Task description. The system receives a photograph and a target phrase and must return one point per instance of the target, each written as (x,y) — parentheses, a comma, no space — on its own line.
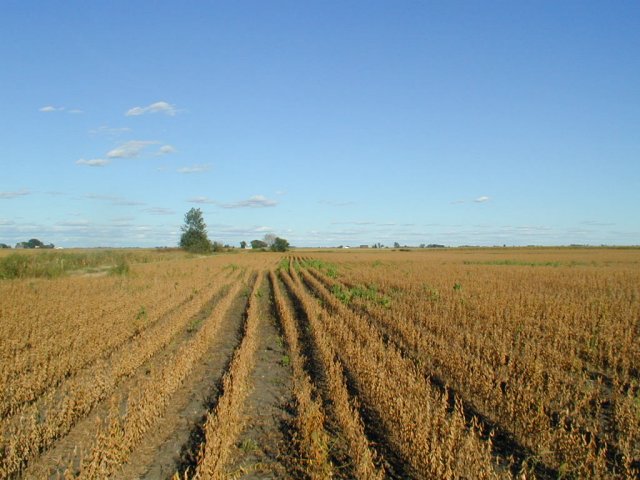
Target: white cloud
(20,193)
(257,201)
(51,108)
(95,162)
(158,107)
(130,149)
(482,199)
(166,149)
(195,169)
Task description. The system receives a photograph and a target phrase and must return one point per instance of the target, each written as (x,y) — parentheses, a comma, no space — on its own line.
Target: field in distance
(368,364)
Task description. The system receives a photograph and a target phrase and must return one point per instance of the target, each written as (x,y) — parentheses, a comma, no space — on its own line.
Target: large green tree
(280,245)
(256,244)
(194,233)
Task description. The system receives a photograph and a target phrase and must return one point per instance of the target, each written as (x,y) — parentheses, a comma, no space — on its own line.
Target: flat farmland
(378,363)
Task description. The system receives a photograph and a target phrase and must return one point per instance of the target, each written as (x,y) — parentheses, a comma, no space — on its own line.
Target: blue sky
(326,123)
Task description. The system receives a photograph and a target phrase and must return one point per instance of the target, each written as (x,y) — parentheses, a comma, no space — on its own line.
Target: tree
(243,244)
(280,245)
(396,245)
(269,239)
(255,244)
(194,233)
(4,245)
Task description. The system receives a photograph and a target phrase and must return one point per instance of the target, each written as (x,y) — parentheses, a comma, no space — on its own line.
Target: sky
(326,123)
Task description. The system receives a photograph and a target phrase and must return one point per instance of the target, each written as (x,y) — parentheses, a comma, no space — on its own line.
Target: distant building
(364,246)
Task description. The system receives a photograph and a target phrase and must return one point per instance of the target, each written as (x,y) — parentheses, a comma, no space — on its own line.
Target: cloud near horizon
(20,193)
(256,201)
(114,200)
(159,211)
(482,199)
(158,107)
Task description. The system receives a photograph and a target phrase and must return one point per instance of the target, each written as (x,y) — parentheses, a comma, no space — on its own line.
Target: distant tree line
(270,242)
(32,243)
(195,238)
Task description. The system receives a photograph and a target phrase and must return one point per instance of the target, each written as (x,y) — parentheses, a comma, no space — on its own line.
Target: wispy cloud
(594,223)
(20,193)
(130,149)
(158,107)
(73,223)
(114,200)
(202,200)
(457,202)
(166,150)
(159,211)
(257,201)
(109,131)
(482,199)
(357,222)
(195,169)
(95,162)
(51,108)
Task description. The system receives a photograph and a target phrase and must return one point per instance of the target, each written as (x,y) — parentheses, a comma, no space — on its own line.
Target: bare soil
(263,448)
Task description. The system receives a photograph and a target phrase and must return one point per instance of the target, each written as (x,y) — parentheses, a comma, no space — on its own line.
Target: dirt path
(262,449)
(172,444)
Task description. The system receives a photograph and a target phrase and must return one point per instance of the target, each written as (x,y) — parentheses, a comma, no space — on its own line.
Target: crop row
(36,426)
(560,415)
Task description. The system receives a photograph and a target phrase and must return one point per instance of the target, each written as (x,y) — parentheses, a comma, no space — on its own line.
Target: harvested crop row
(122,433)
(36,427)
(343,408)
(311,439)
(414,417)
(75,312)
(224,424)
(505,393)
